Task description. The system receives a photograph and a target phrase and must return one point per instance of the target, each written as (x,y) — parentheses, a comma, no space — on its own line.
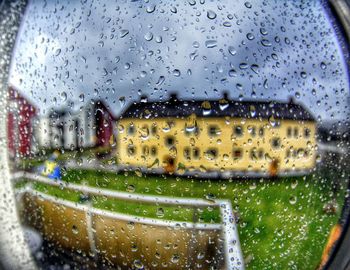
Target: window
(307,133)
(154,130)
(131,129)
(289,132)
(276,142)
(131,150)
(196,153)
(307,153)
(211,154)
(288,153)
(187,154)
(253,131)
(154,151)
(145,150)
(144,132)
(214,130)
(238,131)
(261,132)
(169,141)
(237,153)
(296,132)
(253,154)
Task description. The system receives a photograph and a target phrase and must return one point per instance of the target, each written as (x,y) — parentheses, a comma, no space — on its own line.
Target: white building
(90,126)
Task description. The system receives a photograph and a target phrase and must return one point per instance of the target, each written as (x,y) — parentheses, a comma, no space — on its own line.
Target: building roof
(97,105)
(218,108)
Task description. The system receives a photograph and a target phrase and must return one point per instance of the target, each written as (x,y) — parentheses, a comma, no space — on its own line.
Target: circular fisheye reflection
(185,135)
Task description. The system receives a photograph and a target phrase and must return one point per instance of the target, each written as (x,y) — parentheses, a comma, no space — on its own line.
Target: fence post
(90,231)
(232,247)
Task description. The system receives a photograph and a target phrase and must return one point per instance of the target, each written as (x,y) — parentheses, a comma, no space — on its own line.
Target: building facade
(90,126)
(20,117)
(238,137)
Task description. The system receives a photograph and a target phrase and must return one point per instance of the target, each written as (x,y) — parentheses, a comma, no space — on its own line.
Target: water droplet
(150,8)
(122,101)
(75,229)
(255,68)
(200,255)
(130,188)
(303,74)
(127,66)
(123,33)
(158,39)
(160,212)
(266,43)
(145,131)
(143,74)
(101,43)
(138,172)
(265,84)
(323,65)
(227,24)
(192,2)
(250,36)
(248,5)
(63,96)
(211,43)
(210,197)
(138,264)
(243,66)
(263,31)
(58,51)
(159,190)
(293,200)
(211,14)
(176,73)
(134,248)
(160,81)
(232,73)
(148,36)
(175,258)
(195,44)
(131,225)
(252,110)
(223,105)
(273,121)
(206,108)
(232,50)
(173,9)
(294,184)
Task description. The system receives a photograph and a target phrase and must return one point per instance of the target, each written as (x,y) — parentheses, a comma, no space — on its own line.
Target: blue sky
(117,50)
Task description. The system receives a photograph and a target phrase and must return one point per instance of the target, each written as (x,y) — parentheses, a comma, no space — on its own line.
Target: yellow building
(224,136)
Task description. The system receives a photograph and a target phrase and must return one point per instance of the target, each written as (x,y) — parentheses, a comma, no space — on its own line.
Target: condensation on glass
(179,135)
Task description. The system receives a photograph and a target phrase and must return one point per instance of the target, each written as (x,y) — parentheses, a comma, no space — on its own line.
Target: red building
(104,122)
(19,123)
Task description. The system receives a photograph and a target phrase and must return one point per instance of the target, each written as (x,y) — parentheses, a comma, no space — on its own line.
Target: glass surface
(179,135)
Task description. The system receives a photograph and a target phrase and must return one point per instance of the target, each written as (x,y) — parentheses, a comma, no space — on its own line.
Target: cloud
(109,51)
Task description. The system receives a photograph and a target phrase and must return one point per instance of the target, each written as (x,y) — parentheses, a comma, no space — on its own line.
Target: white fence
(233,253)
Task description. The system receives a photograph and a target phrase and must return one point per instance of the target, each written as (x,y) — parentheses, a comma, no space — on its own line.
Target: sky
(75,51)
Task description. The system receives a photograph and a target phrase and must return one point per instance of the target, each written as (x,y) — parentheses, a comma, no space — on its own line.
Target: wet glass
(181,135)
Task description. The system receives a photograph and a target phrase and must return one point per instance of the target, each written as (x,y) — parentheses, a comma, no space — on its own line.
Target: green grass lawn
(282,224)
